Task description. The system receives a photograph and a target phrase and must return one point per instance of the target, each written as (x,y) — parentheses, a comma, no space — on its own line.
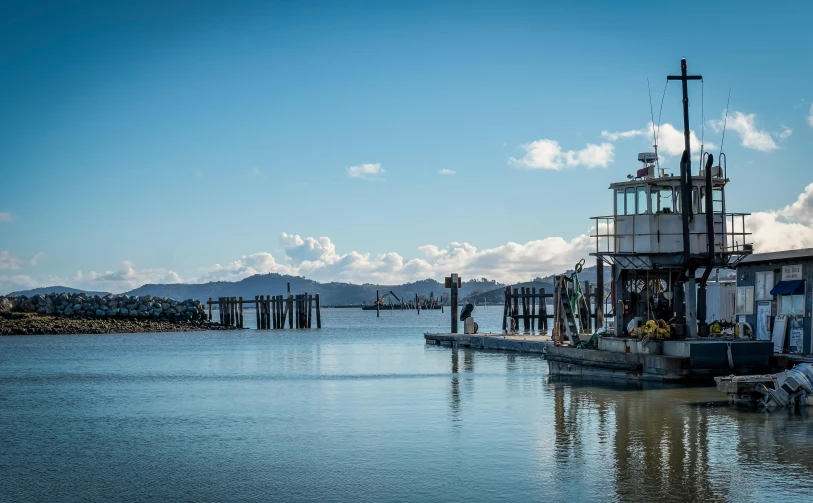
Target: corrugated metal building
(774,292)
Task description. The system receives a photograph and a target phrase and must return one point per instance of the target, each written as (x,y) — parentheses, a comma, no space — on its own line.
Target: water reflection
(668,446)
(455,383)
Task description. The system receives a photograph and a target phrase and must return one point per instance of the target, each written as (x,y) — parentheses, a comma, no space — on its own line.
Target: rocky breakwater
(78,313)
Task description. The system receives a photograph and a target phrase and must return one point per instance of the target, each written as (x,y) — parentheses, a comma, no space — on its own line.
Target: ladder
(564,314)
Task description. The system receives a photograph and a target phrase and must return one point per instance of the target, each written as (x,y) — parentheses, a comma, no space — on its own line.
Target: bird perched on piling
(466,312)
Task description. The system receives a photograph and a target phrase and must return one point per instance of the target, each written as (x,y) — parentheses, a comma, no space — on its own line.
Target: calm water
(364,411)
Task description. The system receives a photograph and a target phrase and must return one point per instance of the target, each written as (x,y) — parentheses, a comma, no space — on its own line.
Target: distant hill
(55,289)
(331,294)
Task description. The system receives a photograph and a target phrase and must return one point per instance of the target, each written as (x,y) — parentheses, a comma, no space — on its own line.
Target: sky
(154,142)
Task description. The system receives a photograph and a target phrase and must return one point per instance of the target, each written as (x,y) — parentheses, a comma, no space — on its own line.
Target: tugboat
(667,233)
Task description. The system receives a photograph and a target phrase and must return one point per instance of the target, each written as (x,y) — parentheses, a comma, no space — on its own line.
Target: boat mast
(688,309)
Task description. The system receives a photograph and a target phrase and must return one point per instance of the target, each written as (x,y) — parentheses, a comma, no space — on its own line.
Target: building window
(745,300)
(764,285)
(792,304)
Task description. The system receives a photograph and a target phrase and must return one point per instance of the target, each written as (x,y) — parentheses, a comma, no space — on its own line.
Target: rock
(68,311)
(49,308)
(112,311)
(6,305)
(77,307)
(165,305)
(145,299)
(133,313)
(100,312)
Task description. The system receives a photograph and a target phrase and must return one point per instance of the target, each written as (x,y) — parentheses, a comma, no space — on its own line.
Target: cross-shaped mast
(685,79)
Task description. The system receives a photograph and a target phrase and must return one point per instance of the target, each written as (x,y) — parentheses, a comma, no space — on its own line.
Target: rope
(730,356)
(576,292)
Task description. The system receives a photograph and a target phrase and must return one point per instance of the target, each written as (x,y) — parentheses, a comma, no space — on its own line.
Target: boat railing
(731,239)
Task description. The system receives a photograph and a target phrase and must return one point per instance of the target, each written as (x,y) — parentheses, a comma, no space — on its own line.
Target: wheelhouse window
(716,199)
(619,201)
(643,209)
(629,198)
(678,201)
(662,199)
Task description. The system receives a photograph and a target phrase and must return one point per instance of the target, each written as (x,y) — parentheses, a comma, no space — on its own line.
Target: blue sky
(141,142)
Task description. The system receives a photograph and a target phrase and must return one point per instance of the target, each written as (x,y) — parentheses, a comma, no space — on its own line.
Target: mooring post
(210,308)
(505,303)
(220,309)
(234,316)
(290,311)
(318,313)
(543,311)
(417,306)
(453,282)
(377,306)
(310,310)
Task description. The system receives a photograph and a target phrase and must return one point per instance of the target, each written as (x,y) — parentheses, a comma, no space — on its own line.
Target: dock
(526,343)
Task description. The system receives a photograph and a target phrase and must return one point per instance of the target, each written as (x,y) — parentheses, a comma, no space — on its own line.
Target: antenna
(652,115)
(725,121)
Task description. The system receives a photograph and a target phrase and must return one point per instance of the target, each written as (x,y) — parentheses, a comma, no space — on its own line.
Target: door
(763,321)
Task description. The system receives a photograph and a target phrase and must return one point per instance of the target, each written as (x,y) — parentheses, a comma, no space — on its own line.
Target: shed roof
(757,258)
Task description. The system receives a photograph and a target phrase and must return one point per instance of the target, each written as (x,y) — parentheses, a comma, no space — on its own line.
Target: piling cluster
(110,306)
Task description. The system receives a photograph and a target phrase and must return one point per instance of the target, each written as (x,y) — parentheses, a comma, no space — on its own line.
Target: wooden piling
(454,303)
(377,307)
(318,313)
(533,310)
(515,308)
(543,310)
(210,309)
(290,308)
(417,306)
(310,310)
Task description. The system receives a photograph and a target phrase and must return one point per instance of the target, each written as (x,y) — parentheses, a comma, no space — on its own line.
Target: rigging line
(725,121)
(660,112)
(703,117)
(652,115)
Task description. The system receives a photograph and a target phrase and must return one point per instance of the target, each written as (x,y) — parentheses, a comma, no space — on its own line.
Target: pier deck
(527,343)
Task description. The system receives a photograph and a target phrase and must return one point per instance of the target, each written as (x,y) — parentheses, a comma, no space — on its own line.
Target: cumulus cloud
(548,154)
(126,277)
(245,266)
(6,217)
(788,228)
(670,139)
(9,262)
(744,125)
(365,170)
(447,172)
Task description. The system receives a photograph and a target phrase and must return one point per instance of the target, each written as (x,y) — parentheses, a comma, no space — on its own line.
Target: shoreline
(34,324)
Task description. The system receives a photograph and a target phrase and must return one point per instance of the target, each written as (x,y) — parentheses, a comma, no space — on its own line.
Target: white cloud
(9,262)
(127,277)
(810,116)
(6,217)
(365,170)
(744,125)
(788,228)
(671,141)
(548,154)
(447,172)
(245,266)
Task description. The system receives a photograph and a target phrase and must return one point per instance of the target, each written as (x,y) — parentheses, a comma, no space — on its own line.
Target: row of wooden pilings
(529,307)
(272,311)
